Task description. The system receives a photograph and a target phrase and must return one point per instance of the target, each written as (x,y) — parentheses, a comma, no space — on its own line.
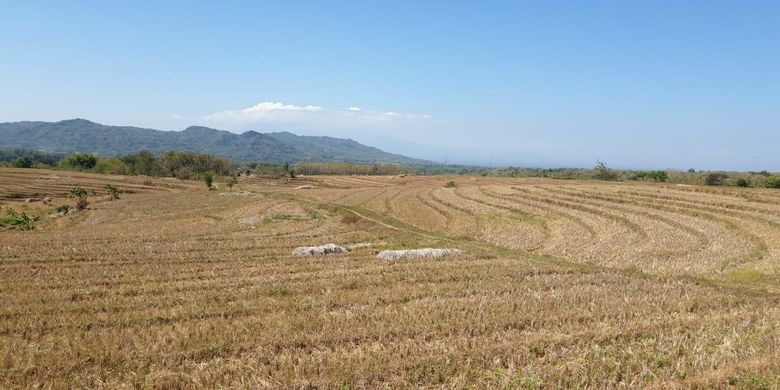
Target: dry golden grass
(561,284)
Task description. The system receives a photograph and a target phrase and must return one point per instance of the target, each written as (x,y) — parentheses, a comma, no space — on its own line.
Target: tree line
(182,165)
(192,165)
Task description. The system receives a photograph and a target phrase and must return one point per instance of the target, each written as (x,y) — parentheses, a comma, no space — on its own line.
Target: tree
(79,161)
(111,165)
(141,163)
(602,172)
(23,162)
(188,165)
(208,178)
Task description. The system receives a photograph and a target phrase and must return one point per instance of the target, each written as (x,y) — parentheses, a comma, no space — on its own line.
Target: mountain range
(80,135)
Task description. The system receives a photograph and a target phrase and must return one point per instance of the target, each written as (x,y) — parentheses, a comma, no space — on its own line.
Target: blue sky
(636,84)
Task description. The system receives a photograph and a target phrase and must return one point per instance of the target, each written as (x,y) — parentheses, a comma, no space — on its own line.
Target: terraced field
(717,233)
(560,284)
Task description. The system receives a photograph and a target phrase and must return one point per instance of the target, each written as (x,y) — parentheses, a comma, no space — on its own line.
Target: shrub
(112,192)
(742,182)
(64,209)
(208,178)
(772,182)
(661,176)
(714,179)
(81,198)
(78,192)
(81,204)
(450,184)
(231,181)
(17,221)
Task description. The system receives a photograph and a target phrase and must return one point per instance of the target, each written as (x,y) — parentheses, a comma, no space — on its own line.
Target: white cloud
(290,116)
(265,111)
(272,106)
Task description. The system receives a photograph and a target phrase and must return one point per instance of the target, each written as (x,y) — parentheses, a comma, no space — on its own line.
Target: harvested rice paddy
(557,284)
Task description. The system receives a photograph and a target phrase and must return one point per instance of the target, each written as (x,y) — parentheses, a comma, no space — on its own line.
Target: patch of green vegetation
(744,276)
(285,217)
(112,192)
(14,220)
(313,214)
(750,381)
(81,198)
(208,178)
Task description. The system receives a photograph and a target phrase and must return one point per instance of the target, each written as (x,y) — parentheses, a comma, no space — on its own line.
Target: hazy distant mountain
(79,135)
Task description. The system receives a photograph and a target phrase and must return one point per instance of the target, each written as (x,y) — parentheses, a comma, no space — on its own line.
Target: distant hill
(80,135)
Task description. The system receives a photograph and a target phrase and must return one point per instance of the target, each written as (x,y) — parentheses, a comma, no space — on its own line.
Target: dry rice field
(560,284)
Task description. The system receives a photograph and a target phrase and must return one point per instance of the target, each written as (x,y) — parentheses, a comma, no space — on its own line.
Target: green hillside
(79,135)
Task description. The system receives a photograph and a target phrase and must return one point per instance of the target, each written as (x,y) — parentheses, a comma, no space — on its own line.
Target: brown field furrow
(741,234)
(522,230)
(590,198)
(635,227)
(651,201)
(697,235)
(355,181)
(406,208)
(660,229)
(425,197)
(759,248)
(758,195)
(770,214)
(380,203)
(362,197)
(615,241)
(591,232)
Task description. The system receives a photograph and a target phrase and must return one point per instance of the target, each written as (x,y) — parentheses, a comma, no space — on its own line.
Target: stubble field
(560,284)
